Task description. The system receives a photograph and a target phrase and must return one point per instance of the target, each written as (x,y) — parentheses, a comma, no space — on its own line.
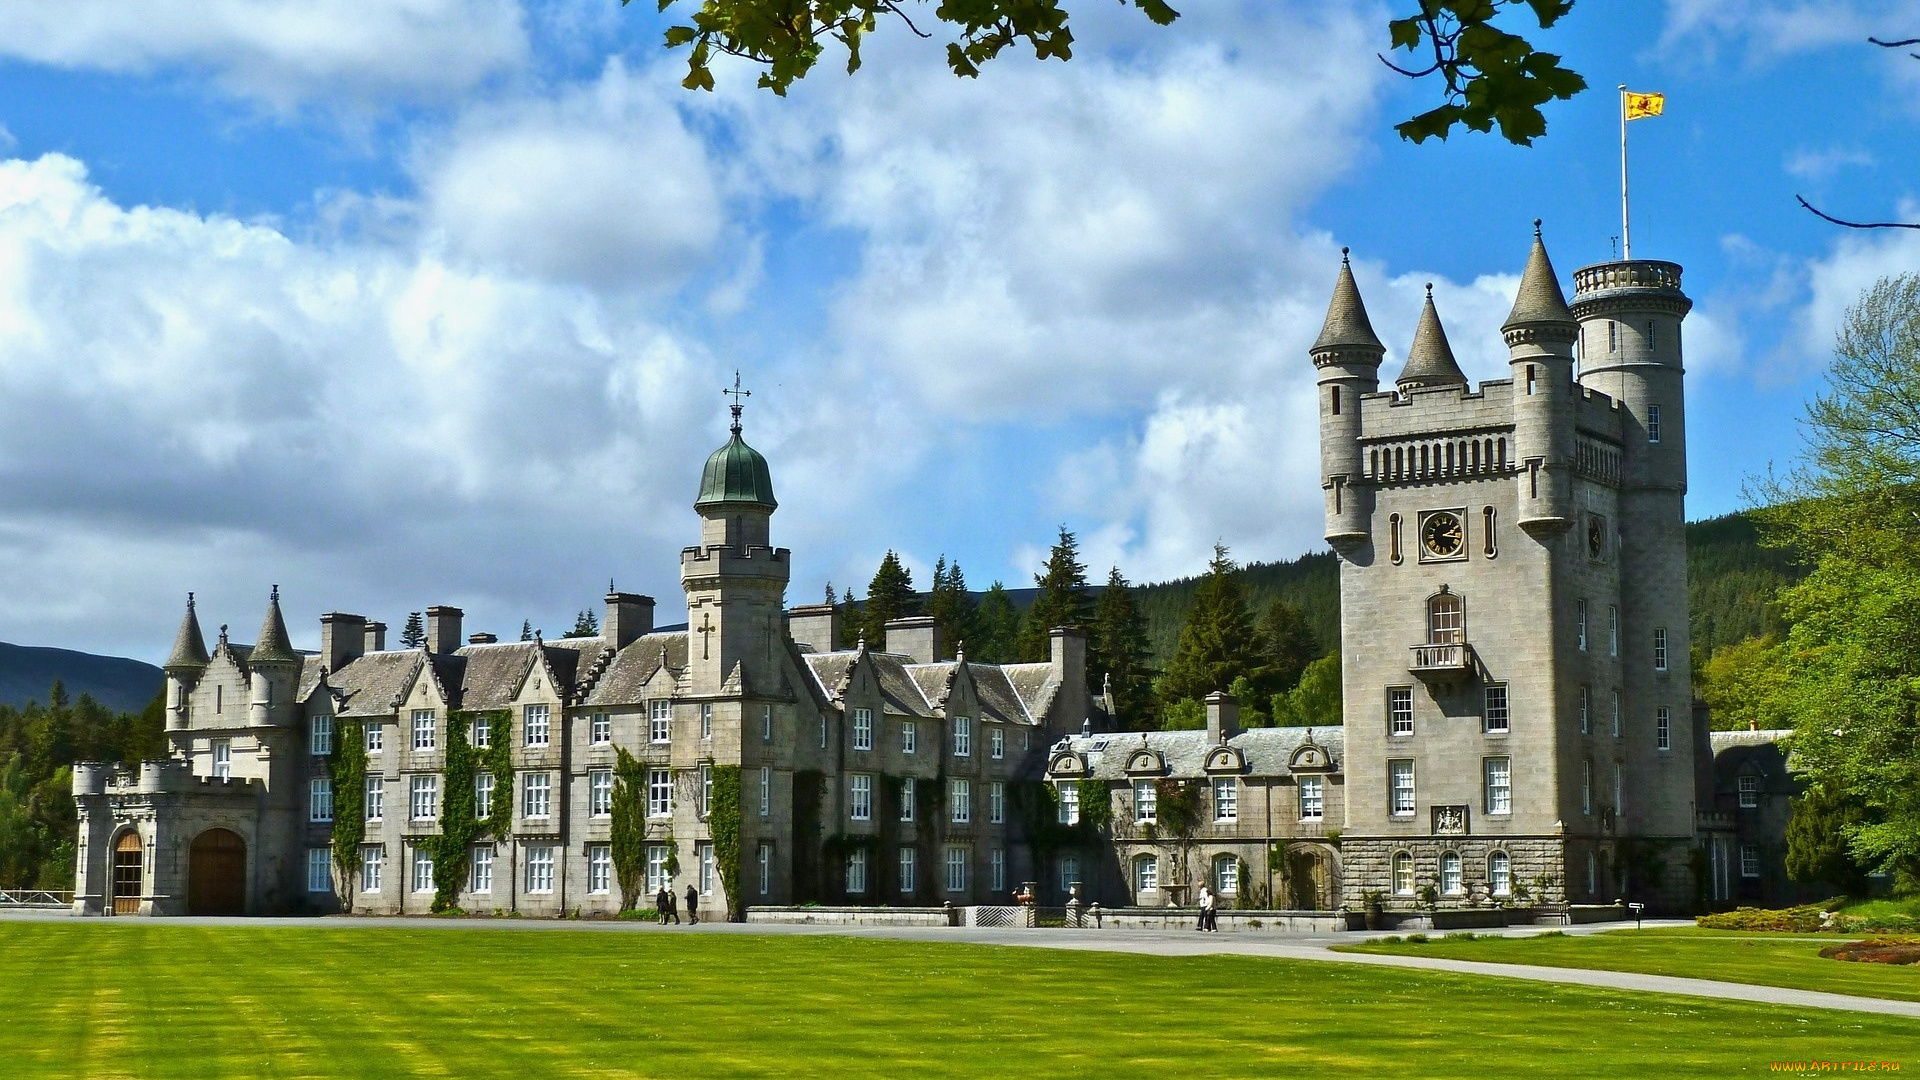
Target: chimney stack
(343,638)
(918,637)
(443,628)
(376,638)
(481,639)
(1223,716)
(816,626)
(629,615)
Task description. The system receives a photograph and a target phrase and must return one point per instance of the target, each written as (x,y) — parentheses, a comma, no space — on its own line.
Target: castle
(1519,723)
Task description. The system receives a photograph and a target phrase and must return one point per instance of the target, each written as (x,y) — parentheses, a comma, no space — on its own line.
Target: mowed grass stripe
(206,1001)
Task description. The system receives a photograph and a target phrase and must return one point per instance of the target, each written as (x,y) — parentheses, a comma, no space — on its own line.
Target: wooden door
(128,867)
(217,874)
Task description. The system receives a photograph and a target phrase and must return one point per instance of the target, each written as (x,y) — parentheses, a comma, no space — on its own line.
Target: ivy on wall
(349,768)
(723,826)
(1096,804)
(497,761)
(629,829)
(458,825)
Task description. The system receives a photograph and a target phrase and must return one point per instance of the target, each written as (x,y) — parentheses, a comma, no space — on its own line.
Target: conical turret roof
(1347,325)
(272,644)
(1430,361)
(1540,300)
(189,645)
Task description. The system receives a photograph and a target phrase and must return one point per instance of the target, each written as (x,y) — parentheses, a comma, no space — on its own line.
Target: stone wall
(1368,866)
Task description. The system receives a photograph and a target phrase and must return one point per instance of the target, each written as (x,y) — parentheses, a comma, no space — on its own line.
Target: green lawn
(1764,959)
(151,1000)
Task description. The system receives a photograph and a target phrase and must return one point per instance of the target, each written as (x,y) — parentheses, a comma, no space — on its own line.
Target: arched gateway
(217,874)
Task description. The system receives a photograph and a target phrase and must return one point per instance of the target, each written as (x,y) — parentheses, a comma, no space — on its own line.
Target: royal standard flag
(1642,105)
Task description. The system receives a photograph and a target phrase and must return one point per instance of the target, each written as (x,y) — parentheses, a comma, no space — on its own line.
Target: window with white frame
(766,723)
(1226,875)
(956,868)
(1653,423)
(766,790)
(599,868)
(538,723)
(997,870)
(1749,860)
(1146,873)
(1619,788)
(1499,874)
(961,795)
(1450,877)
(962,736)
(320,799)
(659,793)
(996,802)
(1586,786)
(536,795)
(1613,630)
(423,798)
(907,792)
(1580,613)
(600,729)
(1069,873)
(600,792)
(1400,787)
(1069,802)
(706,721)
(764,860)
(482,795)
(1593,874)
(480,732)
(860,797)
(372,861)
(376,737)
(1399,710)
(1146,802)
(909,736)
(320,735)
(1659,648)
(480,869)
(657,878)
(1586,710)
(1616,714)
(222,759)
(1496,708)
(1402,880)
(907,868)
(1663,728)
(1749,792)
(422,870)
(1499,784)
(857,870)
(706,791)
(703,857)
(376,798)
(863,729)
(319,870)
(823,731)
(659,721)
(424,736)
(996,742)
(1313,799)
(1226,799)
(540,869)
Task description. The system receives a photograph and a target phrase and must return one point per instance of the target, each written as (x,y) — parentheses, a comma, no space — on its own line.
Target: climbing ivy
(458,825)
(497,761)
(1096,805)
(723,825)
(629,829)
(349,768)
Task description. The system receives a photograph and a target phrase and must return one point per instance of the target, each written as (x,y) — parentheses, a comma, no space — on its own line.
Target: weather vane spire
(736,394)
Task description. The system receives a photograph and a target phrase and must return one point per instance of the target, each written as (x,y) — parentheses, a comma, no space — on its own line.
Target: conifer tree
(584,625)
(831,598)
(414,634)
(1063,600)
(996,628)
(852,629)
(1117,651)
(951,605)
(889,597)
(1219,643)
(526,629)
(1290,647)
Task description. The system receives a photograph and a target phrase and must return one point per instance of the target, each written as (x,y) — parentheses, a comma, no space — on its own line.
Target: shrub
(1461,935)
(1805,919)
(1417,939)
(1879,950)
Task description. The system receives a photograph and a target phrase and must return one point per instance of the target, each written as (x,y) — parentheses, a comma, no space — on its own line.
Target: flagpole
(1626,237)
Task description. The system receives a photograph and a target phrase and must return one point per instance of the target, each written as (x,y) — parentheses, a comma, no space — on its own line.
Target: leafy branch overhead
(787,37)
(1489,75)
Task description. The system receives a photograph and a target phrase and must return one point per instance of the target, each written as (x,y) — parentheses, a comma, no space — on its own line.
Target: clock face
(1443,535)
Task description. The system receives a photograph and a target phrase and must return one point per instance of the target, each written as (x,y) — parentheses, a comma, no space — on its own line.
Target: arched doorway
(1309,879)
(217,874)
(128,864)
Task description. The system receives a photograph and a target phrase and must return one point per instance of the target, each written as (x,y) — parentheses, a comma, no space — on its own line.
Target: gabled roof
(1267,750)
(622,680)
(897,688)
(998,695)
(1036,687)
(375,684)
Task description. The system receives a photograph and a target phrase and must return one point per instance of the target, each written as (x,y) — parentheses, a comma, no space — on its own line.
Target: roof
(1267,750)
(622,677)
(1430,361)
(372,685)
(272,646)
(910,689)
(736,473)
(1539,301)
(1000,697)
(1034,685)
(189,645)
(1347,325)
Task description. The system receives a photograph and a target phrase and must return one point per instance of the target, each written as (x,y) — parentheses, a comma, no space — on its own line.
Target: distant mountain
(28,672)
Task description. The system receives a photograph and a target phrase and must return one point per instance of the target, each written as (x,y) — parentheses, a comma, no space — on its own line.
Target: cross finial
(736,394)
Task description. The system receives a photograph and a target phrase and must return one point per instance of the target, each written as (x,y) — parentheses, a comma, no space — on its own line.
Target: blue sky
(431,301)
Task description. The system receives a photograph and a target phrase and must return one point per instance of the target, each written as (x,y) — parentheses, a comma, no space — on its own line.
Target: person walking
(693,905)
(1206,899)
(663,902)
(1209,913)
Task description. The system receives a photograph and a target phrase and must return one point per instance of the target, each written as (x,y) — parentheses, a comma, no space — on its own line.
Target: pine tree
(1063,600)
(952,606)
(890,596)
(414,634)
(996,628)
(1117,651)
(831,599)
(584,625)
(526,629)
(1290,647)
(1823,819)
(852,629)
(1219,643)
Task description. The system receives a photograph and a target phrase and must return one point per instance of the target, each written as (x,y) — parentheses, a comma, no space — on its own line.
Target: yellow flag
(1643,105)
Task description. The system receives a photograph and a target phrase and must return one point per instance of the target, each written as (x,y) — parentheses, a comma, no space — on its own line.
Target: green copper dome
(736,473)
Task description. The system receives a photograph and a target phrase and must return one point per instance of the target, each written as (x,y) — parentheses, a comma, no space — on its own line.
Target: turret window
(1530,379)
(1393,533)
(1659,648)
(1336,401)
(1663,728)
(1486,532)
(1653,423)
(1613,336)
(222,759)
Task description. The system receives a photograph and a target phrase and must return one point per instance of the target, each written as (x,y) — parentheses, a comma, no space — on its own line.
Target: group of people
(668,908)
(1209,922)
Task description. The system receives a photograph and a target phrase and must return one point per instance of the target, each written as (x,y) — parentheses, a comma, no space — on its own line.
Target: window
(823,731)
(857,870)
(1749,792)
(1226,875)
(1500,874)
(1532,378)
(1593,874)
(1586,710)
(1399,710)
(540,869)
(1487,548)
(482,795)
(703,854)
(706,791)
(423,733)
(962,798)
(1450,883)
(1069,873)
(222,759)
(320,799)
(1659,648)
(1146,873)
(1336,401)
(1749,860)
(997,869)
(1586,786)
(423,798)
(376,738)
(766,791)
(962,736)
(600,792)
(659,793)
(536,795)
(538,725)
(1446,622)
(1402,874)
(906,869)
(1400,787)
(706,721)
(422,870)
(766,723)
(997,742)
(319,870)
(371,859)
(376,798)
(863,729)
(909,736)
(600,729)
(765,861)
(1393,533)
(657,878)
(1616,714)
(1613,630)
(1580,611)
(599,868)
(1499,775)
(1496,712)
(1313,800)
(860,804)
(1226,800)
(481,735)
(1653,416)
(957,868)
(1663,728)
(320,735)
(1146,802)
(996,802)
(660,721)
(1613,336)
(480,870)
(906,799)
(1619,788)
(1069,803)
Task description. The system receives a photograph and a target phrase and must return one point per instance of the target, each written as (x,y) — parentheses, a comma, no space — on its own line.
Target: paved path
(1307,947)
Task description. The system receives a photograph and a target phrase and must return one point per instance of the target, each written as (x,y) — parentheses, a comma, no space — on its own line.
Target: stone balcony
(1442,663)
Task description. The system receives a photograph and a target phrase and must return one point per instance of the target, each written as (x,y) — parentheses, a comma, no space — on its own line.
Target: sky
(431,301)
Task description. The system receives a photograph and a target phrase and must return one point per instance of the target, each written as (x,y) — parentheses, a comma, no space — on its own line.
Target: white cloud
(1835,283)
(1810,164)
(1765,29)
